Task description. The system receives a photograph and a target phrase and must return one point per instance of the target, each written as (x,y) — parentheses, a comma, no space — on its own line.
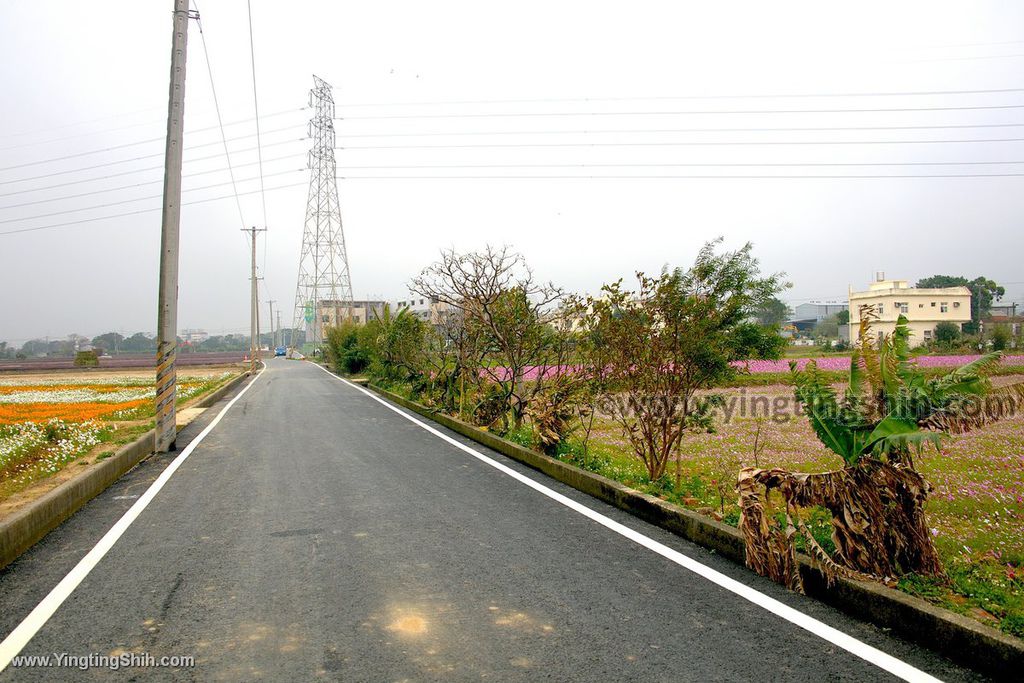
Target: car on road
(280,351)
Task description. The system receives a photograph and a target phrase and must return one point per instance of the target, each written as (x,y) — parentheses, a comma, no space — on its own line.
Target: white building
(428,310)
(194,336)
(923,308)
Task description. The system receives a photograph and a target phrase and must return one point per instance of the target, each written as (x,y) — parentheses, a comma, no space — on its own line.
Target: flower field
(781,366)
(975,510)
(49,421)
(842,363)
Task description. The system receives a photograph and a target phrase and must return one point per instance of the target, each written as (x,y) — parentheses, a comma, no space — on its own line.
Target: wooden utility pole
(167,296)
(254,340)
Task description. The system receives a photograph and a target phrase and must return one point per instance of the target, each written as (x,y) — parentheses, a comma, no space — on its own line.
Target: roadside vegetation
(672,384)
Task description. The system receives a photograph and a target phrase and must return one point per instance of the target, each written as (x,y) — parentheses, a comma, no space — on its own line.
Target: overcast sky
(540,89)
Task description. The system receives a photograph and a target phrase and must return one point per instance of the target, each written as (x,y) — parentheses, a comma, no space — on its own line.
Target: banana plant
(890,406)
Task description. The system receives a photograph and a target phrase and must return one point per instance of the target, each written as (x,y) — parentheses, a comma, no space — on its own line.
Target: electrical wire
(689,165)
(147,156)
(691,177)
(139,170)
(525,177)
(147,123)
(705,143)
(912,93)
(49,200)
(259,151)
(141,211)
(620,131)
(378,117)
(220,121)
(137,199)
(131,144)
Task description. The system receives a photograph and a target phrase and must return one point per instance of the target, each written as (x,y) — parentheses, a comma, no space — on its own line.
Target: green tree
(347,350)
(947,333)
(674,336)
(827,328)
(1000,337)
(110,342)
(139,343)
(773,312)
(983,293)
(843,316)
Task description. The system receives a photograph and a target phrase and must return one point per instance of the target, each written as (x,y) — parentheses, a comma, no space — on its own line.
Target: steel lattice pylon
(323,267)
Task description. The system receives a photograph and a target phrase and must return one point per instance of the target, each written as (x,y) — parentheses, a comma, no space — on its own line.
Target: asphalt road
(315,534)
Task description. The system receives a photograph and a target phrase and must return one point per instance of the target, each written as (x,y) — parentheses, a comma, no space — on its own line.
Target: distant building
(333,312)
(429,311)
(194,336)
(923,308)
(1003,310)
(807,315)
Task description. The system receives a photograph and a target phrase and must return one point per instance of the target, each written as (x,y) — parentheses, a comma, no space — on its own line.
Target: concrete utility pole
(273,333)
(254,341)
(167,303)
(280,342)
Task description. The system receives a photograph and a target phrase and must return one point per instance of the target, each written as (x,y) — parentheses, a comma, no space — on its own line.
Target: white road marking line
(37,618)
(896,667)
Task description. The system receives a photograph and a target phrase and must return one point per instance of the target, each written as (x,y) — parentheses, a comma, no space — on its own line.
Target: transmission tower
(324,285)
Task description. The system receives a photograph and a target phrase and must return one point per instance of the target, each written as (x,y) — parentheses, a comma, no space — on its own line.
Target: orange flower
(71,412)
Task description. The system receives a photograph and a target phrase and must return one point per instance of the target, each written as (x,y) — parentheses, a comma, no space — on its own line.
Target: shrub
(947,333)
(86,359)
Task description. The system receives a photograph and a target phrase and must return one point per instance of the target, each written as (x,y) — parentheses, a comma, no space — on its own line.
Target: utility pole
(254,342)
(167,297)
(273,333)
(280,342)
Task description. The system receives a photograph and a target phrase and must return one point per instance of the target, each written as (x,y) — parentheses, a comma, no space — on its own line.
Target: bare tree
(499,299)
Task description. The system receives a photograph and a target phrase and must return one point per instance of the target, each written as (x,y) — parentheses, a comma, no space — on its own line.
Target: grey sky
(79,77)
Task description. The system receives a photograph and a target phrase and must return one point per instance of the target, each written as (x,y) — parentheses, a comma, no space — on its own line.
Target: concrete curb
(29,525)
(952,635)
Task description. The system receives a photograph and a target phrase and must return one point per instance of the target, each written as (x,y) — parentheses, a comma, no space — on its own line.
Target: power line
(620,131)
(691,97)
(49,200)
(705,143)
(137,125)
(677,113)
(135,171)
(220,121)
(688,165)
(540,165)
(137,199)
(523,177)
(141,211)
(125,145)
(691,177)
(145,156)
(259,151)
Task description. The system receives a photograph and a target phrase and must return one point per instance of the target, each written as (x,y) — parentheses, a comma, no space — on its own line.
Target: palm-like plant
(889,411)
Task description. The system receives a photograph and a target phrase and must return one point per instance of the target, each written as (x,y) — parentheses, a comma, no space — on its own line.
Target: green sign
(309,312)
